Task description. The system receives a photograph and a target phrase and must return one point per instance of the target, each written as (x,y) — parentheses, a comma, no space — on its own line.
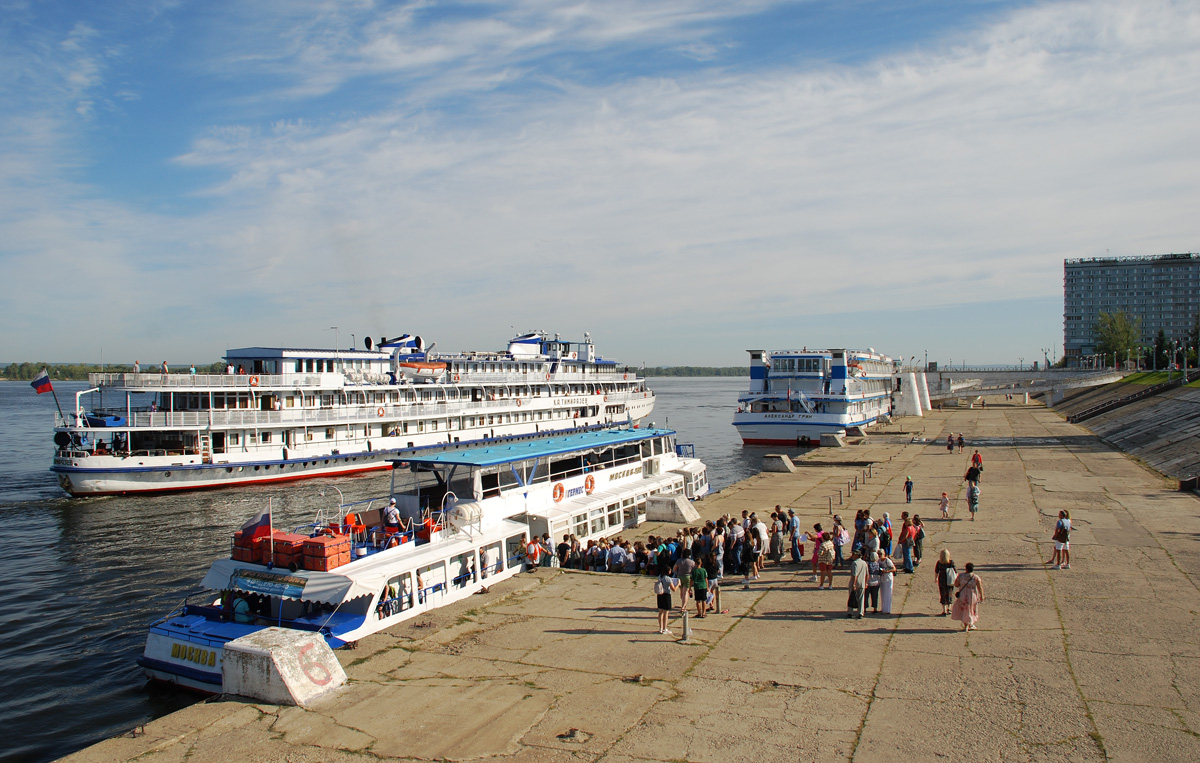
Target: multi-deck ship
(464,519)
(796,396)
(287,413)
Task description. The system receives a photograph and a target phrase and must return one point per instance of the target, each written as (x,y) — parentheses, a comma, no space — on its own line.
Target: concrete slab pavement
(1099,662)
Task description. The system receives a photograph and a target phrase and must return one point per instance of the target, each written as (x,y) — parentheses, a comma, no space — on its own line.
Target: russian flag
(259,525)
(41,383)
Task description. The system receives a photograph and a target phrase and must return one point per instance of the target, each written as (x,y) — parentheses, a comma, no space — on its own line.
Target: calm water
(87,575)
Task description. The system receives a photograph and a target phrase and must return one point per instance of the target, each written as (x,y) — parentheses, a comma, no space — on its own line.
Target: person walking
(1061,558)
(887,576)
(908,488)
(700,588)
(945,574)
(973,500)
(857,586)
(950,442)
(839,539)
(961,442)
(967,599)
(944,505)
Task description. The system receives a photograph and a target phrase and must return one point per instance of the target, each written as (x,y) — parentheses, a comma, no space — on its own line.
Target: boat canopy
(494,455)
(301,585)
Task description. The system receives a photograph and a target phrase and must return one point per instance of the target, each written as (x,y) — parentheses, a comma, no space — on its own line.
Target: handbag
(1060,534)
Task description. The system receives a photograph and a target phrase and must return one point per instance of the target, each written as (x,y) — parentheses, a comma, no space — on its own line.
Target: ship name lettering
(194,654)
(624,473)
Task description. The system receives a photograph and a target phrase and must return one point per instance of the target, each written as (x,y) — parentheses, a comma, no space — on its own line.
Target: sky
(683,179)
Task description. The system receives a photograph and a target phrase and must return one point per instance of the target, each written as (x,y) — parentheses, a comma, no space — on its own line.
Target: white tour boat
(465,517)
(284,414)
(796,396)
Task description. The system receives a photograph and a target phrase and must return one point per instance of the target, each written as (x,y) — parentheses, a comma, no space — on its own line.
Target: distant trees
(1117,333)
(80,371)
(696,371)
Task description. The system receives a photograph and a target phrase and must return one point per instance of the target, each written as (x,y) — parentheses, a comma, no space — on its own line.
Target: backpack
(950,574)
(921,532)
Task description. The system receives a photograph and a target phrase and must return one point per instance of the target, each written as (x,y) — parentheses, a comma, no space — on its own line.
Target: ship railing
(156,381)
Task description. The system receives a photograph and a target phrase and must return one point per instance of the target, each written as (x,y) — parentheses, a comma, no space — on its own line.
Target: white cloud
(678,219)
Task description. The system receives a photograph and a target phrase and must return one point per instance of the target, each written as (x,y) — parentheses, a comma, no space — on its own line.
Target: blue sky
(683,179)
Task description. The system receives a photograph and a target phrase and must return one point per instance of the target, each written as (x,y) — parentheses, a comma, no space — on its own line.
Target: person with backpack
(1061,558)
(908,488)
(945,574)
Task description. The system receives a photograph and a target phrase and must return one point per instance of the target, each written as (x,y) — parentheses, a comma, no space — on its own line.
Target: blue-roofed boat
(290,413)
(465,516)
(796,396)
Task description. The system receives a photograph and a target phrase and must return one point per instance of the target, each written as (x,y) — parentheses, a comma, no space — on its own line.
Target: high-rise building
(1163,291)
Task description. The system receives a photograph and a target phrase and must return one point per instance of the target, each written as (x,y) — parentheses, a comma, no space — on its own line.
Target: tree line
(80,371)
(1121,333)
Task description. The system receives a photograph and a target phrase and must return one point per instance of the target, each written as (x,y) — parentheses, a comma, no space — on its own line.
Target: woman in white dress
(887,570)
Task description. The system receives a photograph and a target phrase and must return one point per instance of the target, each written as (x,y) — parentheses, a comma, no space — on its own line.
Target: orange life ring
(253,381)
(380,411)
(606,398)
(626,376)
(547,377)
(457,377)
(559,492)
(576,414)
(589,484)
(518,402)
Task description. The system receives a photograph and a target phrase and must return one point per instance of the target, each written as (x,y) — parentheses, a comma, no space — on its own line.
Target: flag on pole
(259,525)
(41,383)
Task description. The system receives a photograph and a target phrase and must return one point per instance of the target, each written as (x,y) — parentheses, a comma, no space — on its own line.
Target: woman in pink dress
(966,601)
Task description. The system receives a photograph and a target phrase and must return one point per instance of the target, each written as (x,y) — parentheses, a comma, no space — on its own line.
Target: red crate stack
(243,547)
(325,553)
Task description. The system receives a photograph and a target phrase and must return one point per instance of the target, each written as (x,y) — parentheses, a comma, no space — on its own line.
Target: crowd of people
(695,560)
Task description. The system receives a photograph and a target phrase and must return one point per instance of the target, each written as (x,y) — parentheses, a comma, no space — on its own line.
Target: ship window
(266,436)
(234,438)
(290,401)
(218,401)
(328,433)
(299,366)
(308,365)
(308,436)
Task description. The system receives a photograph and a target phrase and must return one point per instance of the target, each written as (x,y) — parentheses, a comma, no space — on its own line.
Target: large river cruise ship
(796,396)
(285,413)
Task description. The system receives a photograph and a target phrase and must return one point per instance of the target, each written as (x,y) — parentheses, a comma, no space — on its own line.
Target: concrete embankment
(1163,430)
(1098,662)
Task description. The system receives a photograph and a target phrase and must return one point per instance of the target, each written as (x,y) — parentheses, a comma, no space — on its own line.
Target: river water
(85,576)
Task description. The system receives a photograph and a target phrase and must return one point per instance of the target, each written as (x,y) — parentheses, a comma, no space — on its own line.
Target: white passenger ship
(284,414)
(466,515)
(796,396)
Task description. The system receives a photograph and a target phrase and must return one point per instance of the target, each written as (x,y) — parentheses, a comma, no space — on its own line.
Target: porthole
(166,474)
(229,470)
(256,468)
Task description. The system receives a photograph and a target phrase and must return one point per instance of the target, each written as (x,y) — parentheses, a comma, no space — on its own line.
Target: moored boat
(291,413)
(464,517)
(796,396)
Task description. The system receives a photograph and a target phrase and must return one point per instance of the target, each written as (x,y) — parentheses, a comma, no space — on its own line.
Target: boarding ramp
(1053,385)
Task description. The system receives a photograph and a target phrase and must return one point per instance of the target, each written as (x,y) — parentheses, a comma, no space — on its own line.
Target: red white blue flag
(42,382)
(259,525)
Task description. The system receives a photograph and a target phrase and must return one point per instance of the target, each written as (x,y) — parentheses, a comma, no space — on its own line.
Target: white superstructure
(288,413)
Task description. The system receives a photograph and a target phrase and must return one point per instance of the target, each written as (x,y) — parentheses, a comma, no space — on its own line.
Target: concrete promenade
(1099,662)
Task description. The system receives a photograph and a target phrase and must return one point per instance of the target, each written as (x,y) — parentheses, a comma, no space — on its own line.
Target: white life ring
(380,411)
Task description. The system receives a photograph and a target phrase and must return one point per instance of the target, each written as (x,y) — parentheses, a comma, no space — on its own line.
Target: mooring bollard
(830,504)
(839,496)
(687,628)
